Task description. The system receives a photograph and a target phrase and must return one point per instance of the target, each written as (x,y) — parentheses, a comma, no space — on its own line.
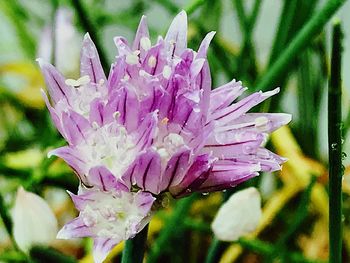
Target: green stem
(308,32)
(335,149)
(174,224)
(135,248)
(90,27)
(214,251)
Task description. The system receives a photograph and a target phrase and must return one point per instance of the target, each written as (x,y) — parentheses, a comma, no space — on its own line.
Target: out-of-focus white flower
(33,220)
(238,216)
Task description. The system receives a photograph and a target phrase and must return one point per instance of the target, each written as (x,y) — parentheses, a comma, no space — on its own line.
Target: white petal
(238,216)
(33,220)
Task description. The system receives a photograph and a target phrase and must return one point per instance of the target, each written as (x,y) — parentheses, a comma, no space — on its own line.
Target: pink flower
(155,125)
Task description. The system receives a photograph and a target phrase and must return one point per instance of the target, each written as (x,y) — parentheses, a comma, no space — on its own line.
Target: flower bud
(33,220)
(238,216)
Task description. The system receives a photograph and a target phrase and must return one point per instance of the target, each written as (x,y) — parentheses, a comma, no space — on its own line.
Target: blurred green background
(251,36)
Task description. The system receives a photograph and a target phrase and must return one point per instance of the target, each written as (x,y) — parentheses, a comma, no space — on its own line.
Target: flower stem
(90,27)
(302,39)
(174,224)
(214,251)
(335,149)
(134,249)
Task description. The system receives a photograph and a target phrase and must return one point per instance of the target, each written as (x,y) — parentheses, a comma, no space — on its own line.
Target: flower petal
(196,175)
(75,126)
(203,48)
(90,63)
(101,177)
(232,112)
(176,168)
(55,82)
(74,229)
(102,246)
(224,95)
(145,172)
(142,31)
(176,37)
(73,159)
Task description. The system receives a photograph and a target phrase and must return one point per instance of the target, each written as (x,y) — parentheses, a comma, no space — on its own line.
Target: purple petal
(74,229)
(97,112)
(176,37)
(101,177)
(237,109)
(226,145)
(203,48)
(196,175)
(203,81)
(126,103)
(146,132)
(56,120)
(257,122)
(81,200)
(55,82)
(145,172)
(176,169)
(75,127)
(73,159)
(217,185)
(122,46)
(224,95)
(102,246)
(142,31)
(154,61)
(116,73)
(90,64)
(144,202)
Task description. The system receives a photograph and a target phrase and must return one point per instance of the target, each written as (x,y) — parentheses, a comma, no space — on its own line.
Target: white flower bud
(238,216)
(33,220)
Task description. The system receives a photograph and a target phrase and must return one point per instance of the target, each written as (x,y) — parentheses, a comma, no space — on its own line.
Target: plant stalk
(335,149)
(134,249)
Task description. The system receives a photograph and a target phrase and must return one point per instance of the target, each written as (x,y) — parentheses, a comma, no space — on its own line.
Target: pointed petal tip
(182,14)
(87,36)
(63,234)
(287,118)
(42,63)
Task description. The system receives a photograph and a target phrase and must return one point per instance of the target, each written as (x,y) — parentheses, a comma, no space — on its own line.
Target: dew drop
(343,155)
(205,194)
(334,146)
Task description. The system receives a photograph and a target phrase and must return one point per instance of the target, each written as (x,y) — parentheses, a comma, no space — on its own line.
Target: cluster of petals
(153,126)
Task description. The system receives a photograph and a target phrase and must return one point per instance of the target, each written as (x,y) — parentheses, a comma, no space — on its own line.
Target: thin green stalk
(335,149)
(173,224)
(135,248)
(214,251)
(89,27)
(308,32)
(284,26)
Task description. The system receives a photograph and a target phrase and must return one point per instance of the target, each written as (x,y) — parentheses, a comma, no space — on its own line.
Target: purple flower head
(154,125)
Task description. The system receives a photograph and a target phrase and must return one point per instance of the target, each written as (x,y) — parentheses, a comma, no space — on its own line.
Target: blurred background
(251,36)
